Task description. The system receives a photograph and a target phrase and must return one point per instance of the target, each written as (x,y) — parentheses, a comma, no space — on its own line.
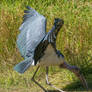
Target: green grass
(74,40)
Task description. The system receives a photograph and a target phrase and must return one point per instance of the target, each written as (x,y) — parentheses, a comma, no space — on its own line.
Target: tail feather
(24,65)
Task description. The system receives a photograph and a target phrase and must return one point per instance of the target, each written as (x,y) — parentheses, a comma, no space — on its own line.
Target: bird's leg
(47,81)
(76,71)
(36,81)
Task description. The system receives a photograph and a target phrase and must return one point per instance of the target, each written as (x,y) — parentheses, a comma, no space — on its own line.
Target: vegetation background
(74,41)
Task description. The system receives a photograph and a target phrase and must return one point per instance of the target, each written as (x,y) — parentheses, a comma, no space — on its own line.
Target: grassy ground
(62,79)
(74,40)
(65,81)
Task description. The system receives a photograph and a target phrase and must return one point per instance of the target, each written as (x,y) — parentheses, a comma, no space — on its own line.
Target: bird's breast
(50,58)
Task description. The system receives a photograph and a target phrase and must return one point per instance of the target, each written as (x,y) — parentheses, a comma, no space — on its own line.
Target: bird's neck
(53,29)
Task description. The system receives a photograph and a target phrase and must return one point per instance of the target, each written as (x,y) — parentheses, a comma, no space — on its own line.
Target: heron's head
(58,23)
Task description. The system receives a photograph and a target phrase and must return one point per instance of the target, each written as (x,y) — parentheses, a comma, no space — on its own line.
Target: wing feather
(32,31)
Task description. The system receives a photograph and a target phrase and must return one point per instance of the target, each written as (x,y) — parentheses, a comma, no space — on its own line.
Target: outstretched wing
(32,31)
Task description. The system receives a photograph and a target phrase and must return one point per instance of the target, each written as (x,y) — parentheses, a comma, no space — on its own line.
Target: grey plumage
(32,32)
(33,39)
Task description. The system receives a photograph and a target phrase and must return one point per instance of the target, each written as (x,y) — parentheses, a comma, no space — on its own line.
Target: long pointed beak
(77,72)
(82,79)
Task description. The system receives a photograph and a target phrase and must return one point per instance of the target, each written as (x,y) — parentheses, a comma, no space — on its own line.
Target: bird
(38,47)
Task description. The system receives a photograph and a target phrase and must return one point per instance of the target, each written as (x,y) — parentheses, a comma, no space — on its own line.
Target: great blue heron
(38,47)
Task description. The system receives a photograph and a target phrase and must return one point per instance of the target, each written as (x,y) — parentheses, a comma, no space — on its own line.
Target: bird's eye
(58,23)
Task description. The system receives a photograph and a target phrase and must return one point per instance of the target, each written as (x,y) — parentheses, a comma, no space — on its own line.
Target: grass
(74,40)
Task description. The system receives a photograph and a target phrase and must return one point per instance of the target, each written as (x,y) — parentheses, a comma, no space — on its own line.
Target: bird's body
(33,40)
(50,58)
(38,47)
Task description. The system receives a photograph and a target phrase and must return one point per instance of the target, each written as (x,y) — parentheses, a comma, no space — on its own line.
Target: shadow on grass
(77,86)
